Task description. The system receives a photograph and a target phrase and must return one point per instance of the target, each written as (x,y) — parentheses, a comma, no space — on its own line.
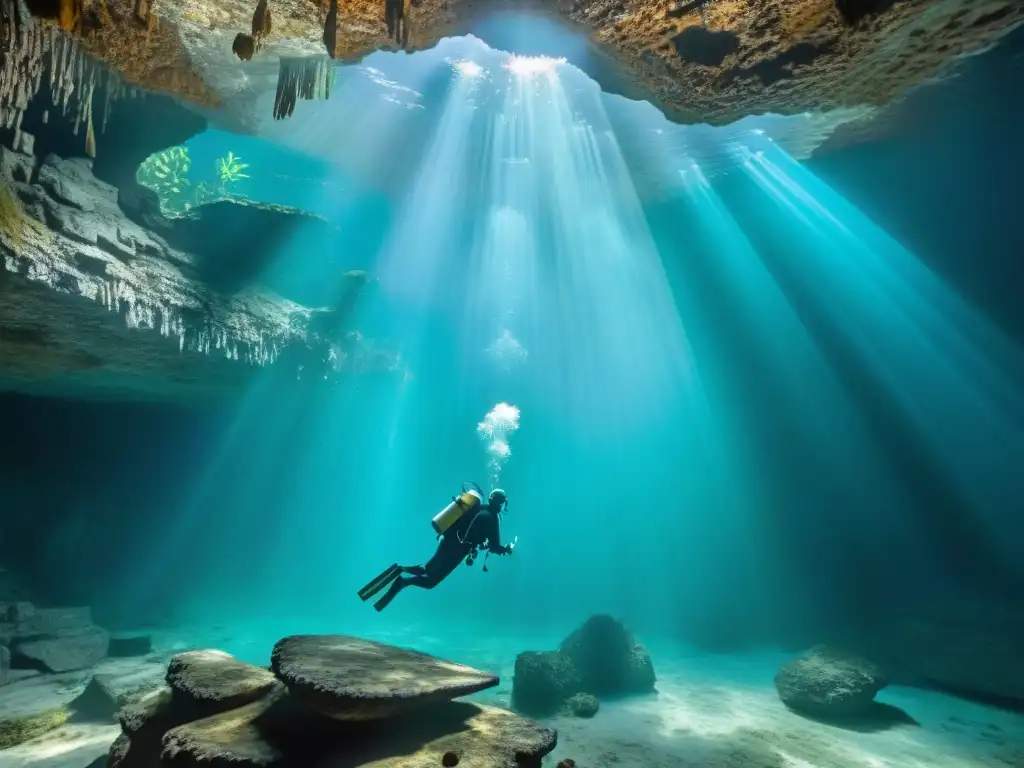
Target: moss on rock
(18,730)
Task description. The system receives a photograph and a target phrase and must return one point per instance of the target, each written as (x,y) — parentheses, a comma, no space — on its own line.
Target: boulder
(201,684)
(66,651)
(828,683)
(583,705)
(29,708)
(217,680)
(609,660)
(543,681)
(348,678)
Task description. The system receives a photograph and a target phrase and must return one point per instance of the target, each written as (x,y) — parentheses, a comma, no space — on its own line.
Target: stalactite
(331,30)
(262,23)
(398,25)
(30,49)
(305,78)
(90,134)
(142,11)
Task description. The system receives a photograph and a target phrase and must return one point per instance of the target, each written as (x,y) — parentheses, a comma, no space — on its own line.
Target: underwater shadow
(877,718)
(992,700)
(310,739)
(235,242)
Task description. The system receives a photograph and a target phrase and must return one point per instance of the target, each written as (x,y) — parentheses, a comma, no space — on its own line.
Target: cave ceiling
(699,61)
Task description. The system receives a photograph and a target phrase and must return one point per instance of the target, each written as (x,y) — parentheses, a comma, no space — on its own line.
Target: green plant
(230,170)
(165,173)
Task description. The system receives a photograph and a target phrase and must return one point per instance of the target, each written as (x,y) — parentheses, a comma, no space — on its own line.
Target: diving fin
(381,581)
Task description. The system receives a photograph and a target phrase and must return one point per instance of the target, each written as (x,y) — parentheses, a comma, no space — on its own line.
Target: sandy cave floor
(710,712)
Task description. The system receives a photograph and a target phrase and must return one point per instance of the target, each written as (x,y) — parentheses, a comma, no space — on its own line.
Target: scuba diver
(464,527)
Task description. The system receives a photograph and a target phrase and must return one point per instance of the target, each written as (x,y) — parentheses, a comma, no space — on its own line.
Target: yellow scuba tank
(467,501)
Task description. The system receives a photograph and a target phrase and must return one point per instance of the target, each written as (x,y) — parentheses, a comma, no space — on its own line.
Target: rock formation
(340,677)
(53,662)
(89,260)
(609,659)
(828,683)
(600,658)
(217,710)
(53,639)
(714,61)
(95,305)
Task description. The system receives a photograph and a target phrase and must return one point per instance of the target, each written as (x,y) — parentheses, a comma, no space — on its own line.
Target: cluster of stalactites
(302,78)
(30,49)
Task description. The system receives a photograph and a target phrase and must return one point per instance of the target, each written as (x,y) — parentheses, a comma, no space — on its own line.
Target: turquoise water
(749,389)
(761,400)
(746,409)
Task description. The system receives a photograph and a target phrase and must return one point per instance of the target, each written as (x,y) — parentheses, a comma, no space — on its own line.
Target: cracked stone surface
(712,61)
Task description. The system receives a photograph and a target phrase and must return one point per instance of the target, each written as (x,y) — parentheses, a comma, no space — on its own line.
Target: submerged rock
(218,711)
(94,305)
(52,639)
(601,658)
(66,651)
(118,684)
(543,681)
(609,659)
(26,621)
(348,678)
(583,705)
(218,679)
(201,684)
(829,683)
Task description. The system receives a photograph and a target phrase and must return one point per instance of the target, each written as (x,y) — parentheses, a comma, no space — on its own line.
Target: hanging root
(302,78)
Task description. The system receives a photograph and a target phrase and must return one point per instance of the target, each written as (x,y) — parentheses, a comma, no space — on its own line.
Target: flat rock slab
(39,704)
(66,651)
(118,683)
(229,738)
(217,678)
(278,730)
(348,678)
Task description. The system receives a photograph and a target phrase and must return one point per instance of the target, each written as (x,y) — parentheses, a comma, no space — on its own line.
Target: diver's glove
(512,546)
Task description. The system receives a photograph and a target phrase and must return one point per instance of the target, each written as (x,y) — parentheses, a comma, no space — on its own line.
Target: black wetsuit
(481,530)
